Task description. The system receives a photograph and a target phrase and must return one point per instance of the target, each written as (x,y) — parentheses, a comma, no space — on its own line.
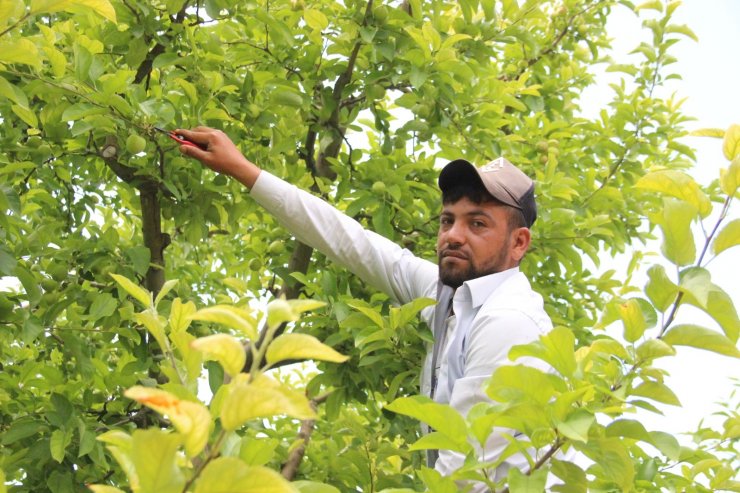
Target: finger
(194,152)
(197,136)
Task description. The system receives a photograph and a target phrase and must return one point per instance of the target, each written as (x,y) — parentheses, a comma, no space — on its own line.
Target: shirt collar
(476,291)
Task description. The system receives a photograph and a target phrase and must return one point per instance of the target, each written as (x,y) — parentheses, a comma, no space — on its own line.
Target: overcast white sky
(710,72)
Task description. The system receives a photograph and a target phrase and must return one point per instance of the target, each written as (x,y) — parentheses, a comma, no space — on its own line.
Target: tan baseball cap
(503,180)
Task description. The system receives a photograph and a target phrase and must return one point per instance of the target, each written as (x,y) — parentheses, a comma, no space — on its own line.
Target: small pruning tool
(180,138)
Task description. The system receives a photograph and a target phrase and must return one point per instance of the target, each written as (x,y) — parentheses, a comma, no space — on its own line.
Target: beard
(454,273)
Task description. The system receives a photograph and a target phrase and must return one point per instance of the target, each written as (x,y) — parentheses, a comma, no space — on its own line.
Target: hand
(221,155)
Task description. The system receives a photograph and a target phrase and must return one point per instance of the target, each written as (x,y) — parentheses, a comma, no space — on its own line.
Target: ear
(520,239)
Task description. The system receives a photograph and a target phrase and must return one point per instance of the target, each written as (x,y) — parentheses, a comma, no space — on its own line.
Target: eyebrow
(469,214)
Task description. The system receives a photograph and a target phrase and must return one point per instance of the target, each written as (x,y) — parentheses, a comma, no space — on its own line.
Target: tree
(356,101)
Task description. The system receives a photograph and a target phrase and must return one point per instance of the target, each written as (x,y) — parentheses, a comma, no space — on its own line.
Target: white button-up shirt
(492,313)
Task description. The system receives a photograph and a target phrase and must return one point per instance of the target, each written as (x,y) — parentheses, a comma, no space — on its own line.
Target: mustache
(454,252)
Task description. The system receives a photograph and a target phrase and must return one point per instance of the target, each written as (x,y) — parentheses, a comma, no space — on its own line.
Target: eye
(478,224)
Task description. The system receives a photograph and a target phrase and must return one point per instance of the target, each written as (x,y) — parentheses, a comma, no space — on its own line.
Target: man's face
(474,240)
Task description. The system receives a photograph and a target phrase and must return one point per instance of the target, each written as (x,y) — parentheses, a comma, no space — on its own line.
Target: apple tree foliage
(144,327)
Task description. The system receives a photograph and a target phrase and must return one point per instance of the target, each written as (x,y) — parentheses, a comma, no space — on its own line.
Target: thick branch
(154,239)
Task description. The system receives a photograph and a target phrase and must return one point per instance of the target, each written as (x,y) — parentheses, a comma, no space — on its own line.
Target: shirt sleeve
(487,345)
(375,259)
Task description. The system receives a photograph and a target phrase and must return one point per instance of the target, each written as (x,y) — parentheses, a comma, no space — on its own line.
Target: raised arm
(375,259)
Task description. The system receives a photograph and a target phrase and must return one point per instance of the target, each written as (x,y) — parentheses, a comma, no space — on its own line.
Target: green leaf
(667,444)
(104,305)
(659,289)
(728,237)
(230,316)
(25,114)
(701,338)
(698,282)
(102,7)
(370,313)
(155,459)
(628,428)
(527,483)
(653,349)
(576,425)
(731,143)
(301,346)
(140,257)
(225,349)
(230,475)
(679,185)
(28,281)
(573,476)
(611,456)
(556,348)
(439,417)
(436,440)
(60,440)
(657,392)
(258,452)
(140,294)
(262,397)
(314,487)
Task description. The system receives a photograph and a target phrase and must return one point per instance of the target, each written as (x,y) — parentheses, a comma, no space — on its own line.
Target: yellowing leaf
(301,346)
(229,475)
(315,19)
(155,325)
(225,349)
(103,488)
(230,316)
(701,338)
(155,456)
(729,179)
(675,223)
(166,288)
(261,398)
(728,237)
(180,315)
(633,319)
(190,419)
(708,132)
(731,144)
(102,7)
(142,295)
(19,51)
(679,185)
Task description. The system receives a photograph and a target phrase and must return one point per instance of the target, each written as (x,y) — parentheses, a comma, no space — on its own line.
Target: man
(485,305)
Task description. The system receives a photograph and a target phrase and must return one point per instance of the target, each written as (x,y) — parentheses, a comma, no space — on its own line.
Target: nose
(455,234)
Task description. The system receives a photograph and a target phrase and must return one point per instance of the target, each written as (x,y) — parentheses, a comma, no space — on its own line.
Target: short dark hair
(477,194)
